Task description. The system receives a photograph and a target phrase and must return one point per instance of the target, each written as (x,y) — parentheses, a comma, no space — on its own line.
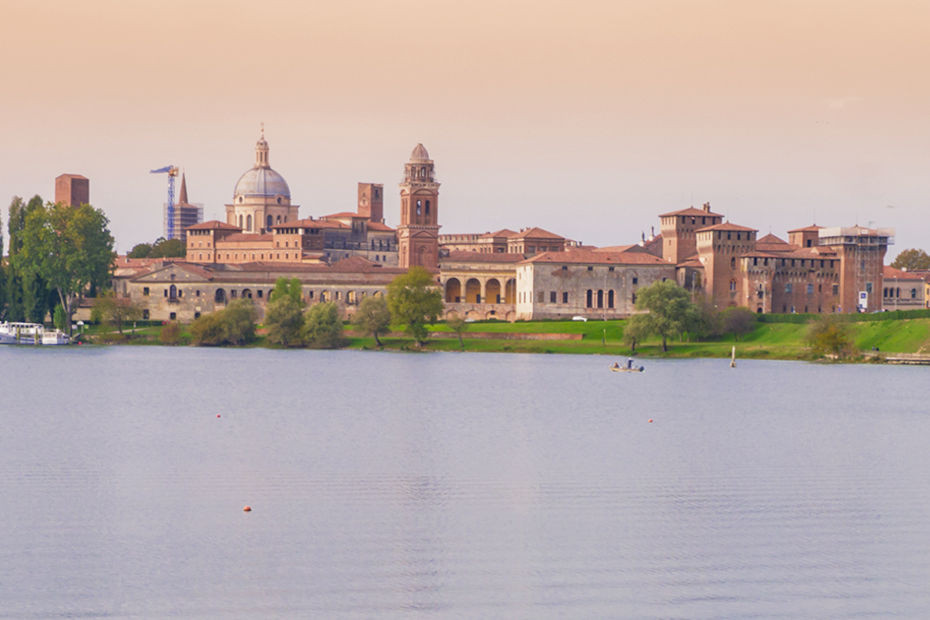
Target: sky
(587,119)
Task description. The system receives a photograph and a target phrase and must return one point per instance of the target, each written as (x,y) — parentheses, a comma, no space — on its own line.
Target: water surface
(458,485)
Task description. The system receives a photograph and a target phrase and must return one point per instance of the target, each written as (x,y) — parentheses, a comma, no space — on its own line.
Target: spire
(261,151)
(182,196)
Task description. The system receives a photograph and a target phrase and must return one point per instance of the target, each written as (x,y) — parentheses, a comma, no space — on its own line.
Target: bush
(830,335)
(322,327)
(738,321)
(284,320)
(234,325)
(170,334)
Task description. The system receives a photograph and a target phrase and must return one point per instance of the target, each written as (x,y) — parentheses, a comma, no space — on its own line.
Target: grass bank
(768,340)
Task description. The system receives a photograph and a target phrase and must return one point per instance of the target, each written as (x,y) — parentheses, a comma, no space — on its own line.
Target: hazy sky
(584,118)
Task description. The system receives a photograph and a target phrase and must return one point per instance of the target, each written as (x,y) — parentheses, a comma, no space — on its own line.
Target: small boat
(625,369)
(733,357)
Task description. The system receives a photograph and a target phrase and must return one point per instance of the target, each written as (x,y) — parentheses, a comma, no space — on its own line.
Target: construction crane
(172,172)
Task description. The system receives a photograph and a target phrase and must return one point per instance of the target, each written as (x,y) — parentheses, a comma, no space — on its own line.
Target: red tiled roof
(536,233)
(728,226)
(691,211)
(378,226)
(464,256)
(576,256)
(342,214)
(213,225)
(771,243)
(503,232)
(811,228)
(899,274)
(256,237)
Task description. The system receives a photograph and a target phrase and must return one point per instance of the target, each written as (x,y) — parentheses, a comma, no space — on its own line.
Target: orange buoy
(650,420)
(247,509)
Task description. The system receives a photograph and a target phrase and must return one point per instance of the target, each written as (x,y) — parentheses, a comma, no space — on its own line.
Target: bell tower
(418,232)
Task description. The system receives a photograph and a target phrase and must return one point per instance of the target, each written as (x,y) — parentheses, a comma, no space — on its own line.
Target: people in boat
(616,365)
(629,363)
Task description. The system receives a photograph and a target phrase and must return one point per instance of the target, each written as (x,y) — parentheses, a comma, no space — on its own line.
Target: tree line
(412,301)
(56,255)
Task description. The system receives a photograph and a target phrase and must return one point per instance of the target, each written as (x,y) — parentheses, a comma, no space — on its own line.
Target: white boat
(31,333)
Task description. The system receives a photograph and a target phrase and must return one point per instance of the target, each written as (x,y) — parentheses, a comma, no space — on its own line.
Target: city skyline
(587,120)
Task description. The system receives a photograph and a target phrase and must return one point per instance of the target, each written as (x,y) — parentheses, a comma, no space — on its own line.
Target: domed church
(261,198)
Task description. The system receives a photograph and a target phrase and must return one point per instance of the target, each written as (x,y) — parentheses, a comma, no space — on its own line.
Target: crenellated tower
(418,232)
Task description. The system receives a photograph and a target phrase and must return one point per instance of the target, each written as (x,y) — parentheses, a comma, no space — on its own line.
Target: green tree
(209,330)
(415,301)
(70,248)
(830,335)
(636,330)
(27,296)
(140,250)
(168,248)
(738,321)
(115,310)
(290,288)
(59,318)
(912,260)
(373,317)
(239,321)
(670,309)
(459,325)
(233,325)
(322,327)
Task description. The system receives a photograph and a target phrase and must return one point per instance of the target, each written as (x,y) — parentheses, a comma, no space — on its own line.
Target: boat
(31,333)
(625,369)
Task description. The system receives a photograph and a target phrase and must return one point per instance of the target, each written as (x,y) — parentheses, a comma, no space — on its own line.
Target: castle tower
(371,201)
(679,231)
(418,232)
(720,248)
(72,190)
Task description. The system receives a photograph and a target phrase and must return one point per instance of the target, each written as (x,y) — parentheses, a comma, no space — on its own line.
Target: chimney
(707,207)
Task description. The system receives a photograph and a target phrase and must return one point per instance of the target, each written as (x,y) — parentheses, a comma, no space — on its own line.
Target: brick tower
(371,201)
(418,232)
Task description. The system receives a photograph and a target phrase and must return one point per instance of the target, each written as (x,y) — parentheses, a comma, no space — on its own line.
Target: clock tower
(418,232)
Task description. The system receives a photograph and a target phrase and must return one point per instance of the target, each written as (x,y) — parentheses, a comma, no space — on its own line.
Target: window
(564,297)
(810,289)
(788,287)
(564,267)
(913,293)
(540,296)
(196,315)
(836,289)
(610,298)
(589,295)
(732,285)
(260,293)
(145,291)
(145,315)
(173,316)
(552,297)
(635,280)
(868,287)
(611,268)
(590,268)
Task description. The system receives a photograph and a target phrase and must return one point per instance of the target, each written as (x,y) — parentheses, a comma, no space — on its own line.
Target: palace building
(509,275)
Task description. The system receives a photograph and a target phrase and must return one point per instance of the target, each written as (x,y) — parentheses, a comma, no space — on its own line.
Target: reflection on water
(458,485)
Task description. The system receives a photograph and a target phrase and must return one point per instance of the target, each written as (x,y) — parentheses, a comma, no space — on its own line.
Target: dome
(262,182)
(419,153)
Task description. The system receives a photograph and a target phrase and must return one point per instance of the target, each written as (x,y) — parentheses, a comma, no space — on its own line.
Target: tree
(239,321)
(284,316)
(140,250)
(636,330)
(233,325)
(373,317)
(415,301)
(170,333)
(116,310)
(287,288)
(912,260)
(670,309)
(322,327)
(168,248)
(457,324)
(830,334)
(27,296)
(70,248)
(738,321)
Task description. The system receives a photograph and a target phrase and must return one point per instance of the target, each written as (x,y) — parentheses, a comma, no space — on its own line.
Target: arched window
(278,220)
(589,297)
(610,298)
(419,207)
(248,222)
(427,207)
(240,220)
(600,298)
(269,222)
(220,296)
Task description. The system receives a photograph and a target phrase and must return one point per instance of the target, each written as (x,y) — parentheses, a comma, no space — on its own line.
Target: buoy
(650,420)
(247,509)
(217,415)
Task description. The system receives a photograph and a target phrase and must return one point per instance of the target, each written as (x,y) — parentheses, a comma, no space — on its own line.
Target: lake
(458,485)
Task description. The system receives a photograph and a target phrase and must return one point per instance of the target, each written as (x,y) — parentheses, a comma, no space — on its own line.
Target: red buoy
(650,420)
(217,415)
(247,509)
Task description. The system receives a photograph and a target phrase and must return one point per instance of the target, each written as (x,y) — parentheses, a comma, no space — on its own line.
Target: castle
(509,275)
